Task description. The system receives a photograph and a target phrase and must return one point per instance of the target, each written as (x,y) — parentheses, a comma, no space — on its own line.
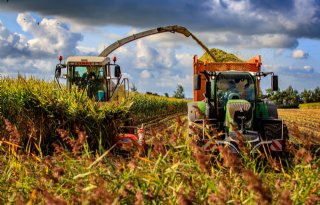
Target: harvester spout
(172,29)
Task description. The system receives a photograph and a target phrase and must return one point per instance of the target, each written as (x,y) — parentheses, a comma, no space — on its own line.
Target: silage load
(220,55)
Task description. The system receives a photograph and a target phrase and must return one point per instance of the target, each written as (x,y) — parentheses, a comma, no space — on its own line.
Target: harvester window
(80,71)
(89,78)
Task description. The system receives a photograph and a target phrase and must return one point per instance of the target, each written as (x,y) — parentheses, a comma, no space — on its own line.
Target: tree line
(178,93)
(291,98)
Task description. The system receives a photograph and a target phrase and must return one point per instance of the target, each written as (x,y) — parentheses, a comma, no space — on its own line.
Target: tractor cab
(234,85)
(235,93)
(93,74)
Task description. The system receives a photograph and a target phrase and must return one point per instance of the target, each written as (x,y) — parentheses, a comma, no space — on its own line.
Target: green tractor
(228,110)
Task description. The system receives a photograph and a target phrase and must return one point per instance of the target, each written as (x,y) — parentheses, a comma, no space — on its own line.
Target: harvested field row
(303,124)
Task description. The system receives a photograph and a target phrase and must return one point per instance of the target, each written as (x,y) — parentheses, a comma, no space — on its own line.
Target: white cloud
(83,50)
(11,44)
(153,56)
(126,75)
(145,74)
(171,80)
(25,65)
(249,41)
(299,54)
(308,68)
(37,54)
(145,55)
(185,60)
(49,36)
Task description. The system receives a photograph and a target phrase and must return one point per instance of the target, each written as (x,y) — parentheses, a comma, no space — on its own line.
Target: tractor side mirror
(197,82)
(59,66)
(117,71)
(57,73)
(274,83)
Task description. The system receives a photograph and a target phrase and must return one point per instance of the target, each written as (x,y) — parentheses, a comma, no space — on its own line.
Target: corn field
(39,116)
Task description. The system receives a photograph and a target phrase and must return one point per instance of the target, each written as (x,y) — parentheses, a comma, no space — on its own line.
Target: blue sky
(285,33)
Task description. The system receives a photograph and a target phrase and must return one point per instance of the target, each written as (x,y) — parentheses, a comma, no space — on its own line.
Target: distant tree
(317,94)
(285,98)
(133,88)
(305,95)
(166,95)
(291,97)
(269,93)
(179,93)
(151,93)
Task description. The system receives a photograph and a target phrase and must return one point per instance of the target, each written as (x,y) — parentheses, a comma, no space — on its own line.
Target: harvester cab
(93,74)
(228,105)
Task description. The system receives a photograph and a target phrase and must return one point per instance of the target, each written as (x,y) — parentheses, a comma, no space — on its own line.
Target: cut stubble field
(303,124)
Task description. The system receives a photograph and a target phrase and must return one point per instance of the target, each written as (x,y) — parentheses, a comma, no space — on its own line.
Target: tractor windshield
(90,78)
(234,86)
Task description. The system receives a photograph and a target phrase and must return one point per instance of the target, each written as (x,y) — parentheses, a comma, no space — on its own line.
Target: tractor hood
(238,112)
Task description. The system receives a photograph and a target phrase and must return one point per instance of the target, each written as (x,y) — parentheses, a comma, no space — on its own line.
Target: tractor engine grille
(271,129)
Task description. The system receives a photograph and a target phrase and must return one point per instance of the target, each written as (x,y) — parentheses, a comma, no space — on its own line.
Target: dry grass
(174,171)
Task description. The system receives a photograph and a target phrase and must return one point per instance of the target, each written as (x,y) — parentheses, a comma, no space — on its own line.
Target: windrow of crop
(38,116)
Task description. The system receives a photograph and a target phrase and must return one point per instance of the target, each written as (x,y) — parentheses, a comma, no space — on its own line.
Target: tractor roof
(94,59)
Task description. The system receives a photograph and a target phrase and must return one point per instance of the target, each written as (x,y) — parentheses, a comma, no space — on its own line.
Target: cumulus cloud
(288,18)
(145,74)
(36,53)
(24,65)
(149,57)
(11,44)
(250,41)
(49,36)
(299,54)
(289,70)
(308,68)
